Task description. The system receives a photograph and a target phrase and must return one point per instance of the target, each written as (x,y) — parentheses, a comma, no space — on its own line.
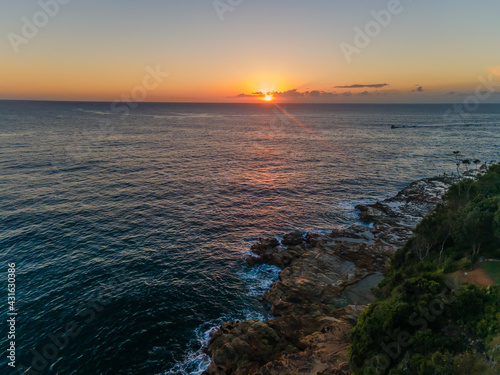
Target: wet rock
(313,239)
(264,245)
(269,251)
(409,206)
(237,348)
(292,239)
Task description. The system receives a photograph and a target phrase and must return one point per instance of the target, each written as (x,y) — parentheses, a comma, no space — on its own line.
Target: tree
(477,161)
(466,162)
(457,161)
(421,247)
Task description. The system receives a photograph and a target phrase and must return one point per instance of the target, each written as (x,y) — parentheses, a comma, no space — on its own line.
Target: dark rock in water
(238,348)
(269,251)
(292,239)
(264,245)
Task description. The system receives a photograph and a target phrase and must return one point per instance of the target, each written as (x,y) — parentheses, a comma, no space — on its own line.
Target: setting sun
(268,98)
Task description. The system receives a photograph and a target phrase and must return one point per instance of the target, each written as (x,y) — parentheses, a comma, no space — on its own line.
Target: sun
(266,95)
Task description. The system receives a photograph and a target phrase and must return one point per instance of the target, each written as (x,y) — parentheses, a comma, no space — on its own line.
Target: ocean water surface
(132,228)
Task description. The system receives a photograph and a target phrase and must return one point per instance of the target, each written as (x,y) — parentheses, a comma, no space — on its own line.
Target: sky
(389,51)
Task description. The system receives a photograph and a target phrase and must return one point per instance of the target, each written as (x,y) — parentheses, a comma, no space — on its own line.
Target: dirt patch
(477,276)
(492,268)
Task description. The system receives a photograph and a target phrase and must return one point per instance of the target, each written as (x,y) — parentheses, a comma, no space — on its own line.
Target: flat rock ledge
(324,286)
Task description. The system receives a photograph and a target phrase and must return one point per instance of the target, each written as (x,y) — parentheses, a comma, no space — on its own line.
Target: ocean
(129,229)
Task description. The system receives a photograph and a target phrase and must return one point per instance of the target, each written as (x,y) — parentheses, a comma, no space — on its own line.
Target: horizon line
(266,103)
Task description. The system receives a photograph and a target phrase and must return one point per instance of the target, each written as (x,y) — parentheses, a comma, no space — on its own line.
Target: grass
(493,270)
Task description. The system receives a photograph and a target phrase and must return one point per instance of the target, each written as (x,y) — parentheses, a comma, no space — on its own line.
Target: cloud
(358,86)
(315,95)
(252,95)
(459,93)
(305,94)
(312,95)
(290,94)
(294,93)
(419,89)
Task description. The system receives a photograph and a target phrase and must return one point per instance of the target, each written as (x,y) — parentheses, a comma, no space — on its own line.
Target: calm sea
(129,231)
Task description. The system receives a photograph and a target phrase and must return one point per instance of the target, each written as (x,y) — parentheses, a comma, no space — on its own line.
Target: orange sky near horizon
(421,56)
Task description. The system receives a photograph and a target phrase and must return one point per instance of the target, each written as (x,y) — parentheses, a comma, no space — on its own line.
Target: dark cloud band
(359,86)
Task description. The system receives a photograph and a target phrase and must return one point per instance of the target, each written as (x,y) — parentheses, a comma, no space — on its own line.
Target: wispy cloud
(305,94)
(360,86)
(253,95)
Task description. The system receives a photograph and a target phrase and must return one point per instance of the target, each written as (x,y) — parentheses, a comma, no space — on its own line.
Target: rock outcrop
(395,218)
(324,285)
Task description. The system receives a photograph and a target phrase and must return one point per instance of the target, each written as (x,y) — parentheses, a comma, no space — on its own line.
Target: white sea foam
(96,112)
(166,116)
(347,211)
(195,362)
(260,278)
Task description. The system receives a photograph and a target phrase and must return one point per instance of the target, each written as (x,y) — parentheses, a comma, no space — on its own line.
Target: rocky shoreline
(324,286)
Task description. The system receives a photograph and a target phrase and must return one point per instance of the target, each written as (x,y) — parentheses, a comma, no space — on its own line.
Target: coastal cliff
(324,286)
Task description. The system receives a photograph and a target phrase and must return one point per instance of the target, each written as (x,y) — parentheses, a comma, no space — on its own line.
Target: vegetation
(422,323)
